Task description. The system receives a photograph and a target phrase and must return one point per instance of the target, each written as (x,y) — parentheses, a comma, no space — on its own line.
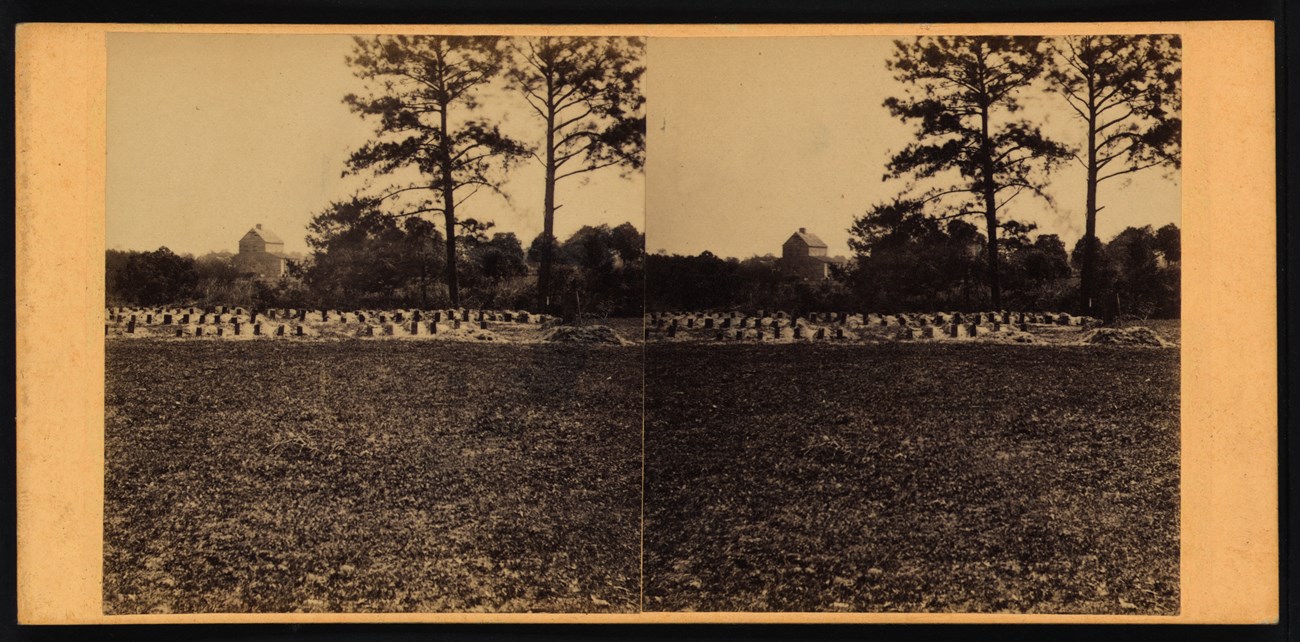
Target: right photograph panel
(912,324)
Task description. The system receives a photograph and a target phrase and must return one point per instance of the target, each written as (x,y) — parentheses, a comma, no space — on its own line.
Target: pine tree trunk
(548,205)
(991,225)
(989,190)
(449,212)
(1088,275)
(548,221)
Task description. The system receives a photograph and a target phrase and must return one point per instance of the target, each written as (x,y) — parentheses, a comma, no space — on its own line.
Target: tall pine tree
(423,94)
(963,95)
(1126,89)
(587,93)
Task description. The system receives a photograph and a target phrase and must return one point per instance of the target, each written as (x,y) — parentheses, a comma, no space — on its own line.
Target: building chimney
(259,226)
(802,230)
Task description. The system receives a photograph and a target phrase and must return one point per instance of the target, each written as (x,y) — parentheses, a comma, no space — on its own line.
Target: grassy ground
(912,477)
(371,476)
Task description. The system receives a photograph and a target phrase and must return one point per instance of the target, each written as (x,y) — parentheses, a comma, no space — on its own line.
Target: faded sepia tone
(415,387)
(907,386)
(1228,469)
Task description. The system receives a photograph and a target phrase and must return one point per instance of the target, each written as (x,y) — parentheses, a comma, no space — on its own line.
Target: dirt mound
(582,334)
(1007,337)
(1136,336)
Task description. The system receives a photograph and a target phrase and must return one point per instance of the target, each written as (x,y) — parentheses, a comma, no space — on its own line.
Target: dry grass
(371,476)
(912,477)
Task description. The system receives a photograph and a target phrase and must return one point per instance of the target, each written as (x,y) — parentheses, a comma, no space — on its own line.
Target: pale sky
(211,134)
(751,138)
(748,140)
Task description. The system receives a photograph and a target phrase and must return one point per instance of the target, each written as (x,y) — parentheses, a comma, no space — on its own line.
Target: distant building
(805,255)
(261,253)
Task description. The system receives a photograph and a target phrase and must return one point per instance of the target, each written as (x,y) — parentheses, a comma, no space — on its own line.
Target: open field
(353,475)
(939,476)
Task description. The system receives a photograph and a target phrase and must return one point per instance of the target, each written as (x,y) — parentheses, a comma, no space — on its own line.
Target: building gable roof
(810,240)
(265,234)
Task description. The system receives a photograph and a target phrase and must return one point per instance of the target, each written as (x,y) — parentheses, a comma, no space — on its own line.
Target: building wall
(793,249)
(251,244)
(811,270)
(263,264)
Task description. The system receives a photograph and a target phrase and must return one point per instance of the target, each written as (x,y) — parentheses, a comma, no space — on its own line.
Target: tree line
(923,264)
(363,260)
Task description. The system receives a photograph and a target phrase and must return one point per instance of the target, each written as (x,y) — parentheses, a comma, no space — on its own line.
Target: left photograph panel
(374,324)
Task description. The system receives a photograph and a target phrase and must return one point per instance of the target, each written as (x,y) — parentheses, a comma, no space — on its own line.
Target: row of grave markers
(412,322)
(937,318)
(908,326)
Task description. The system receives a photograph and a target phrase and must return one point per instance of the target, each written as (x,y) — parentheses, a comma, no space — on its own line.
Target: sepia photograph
(373,323)
(913,324)
(846,324)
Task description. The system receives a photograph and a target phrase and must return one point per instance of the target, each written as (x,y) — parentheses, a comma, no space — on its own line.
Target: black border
(665,11)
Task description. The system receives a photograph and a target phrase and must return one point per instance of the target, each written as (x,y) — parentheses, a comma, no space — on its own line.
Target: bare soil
(939,477)
(373,476)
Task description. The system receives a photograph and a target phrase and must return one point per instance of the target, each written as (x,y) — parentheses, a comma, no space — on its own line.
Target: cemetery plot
(238,323)
(912,476)
(777,327)
(371,476)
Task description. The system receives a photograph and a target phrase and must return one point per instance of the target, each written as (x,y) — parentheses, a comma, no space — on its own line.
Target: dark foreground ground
(912,477)
(371,476)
